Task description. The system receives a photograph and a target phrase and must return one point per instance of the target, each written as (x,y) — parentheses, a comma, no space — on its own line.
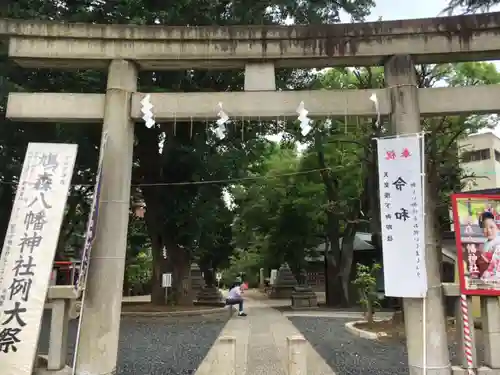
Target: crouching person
(235,298)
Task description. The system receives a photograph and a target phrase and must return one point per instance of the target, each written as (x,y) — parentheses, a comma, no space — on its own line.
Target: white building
(480,155)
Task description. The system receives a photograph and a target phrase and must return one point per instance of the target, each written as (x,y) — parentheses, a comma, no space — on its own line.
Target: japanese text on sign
(400,181)
(29,251)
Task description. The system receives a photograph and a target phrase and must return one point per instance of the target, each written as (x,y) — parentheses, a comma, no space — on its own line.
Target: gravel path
(351,355)
(154,347)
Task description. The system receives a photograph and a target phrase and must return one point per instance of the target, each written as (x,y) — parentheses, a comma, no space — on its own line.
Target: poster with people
(477,231)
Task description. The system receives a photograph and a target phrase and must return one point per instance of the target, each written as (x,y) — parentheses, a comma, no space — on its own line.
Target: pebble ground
(157,347)
(154,347)
(348,354)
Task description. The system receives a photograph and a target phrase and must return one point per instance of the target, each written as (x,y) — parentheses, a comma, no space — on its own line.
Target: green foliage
(139,271)
(275,219)
(365,282)
(278,216)
(471,5)
(179,214)
(246,262)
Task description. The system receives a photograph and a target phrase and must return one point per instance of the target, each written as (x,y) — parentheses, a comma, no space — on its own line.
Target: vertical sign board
(29,250)
(92,223)
(166,280)
(402,216)
(273,276)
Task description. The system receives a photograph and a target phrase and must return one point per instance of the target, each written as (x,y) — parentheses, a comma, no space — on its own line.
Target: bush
(139,273)
(366,284)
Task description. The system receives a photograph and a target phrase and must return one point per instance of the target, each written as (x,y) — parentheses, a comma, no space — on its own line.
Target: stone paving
(261,343)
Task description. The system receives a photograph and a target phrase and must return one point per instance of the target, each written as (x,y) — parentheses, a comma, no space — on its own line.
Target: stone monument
(284,284)
(197,281)
(209,295)
(303,296)
(193,283)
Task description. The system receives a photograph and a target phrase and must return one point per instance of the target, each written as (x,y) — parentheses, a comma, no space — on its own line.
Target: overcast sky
(401,9)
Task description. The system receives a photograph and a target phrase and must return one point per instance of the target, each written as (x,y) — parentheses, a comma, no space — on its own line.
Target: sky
(405,9)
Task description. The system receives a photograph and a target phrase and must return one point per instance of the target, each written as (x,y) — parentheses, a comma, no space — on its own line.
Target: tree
(345,152)
(471,5)
(277,216)
(169,206)
(190,143)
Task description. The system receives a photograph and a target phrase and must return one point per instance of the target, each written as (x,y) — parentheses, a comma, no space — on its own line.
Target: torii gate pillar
(400,77)
(98,347)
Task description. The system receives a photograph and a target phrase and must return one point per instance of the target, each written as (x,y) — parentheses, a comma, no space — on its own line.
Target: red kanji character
(390,155)
(406,153)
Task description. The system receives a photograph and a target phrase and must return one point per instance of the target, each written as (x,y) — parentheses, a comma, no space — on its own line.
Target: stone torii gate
(123,50)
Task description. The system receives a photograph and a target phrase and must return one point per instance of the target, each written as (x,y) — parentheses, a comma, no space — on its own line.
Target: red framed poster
(476,221)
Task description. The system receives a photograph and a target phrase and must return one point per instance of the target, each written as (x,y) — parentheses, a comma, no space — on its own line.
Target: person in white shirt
(235,298)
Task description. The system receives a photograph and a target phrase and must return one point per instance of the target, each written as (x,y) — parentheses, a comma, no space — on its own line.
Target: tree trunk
(369,313)
(179,261)
(159,267)
(152,217)
(347,256)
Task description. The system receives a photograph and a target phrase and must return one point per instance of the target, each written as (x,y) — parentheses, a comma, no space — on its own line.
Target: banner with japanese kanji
(400,171)
(29,250)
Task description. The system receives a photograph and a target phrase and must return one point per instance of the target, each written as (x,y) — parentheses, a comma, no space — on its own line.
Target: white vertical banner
(400,168)
(29,250)
(92,221)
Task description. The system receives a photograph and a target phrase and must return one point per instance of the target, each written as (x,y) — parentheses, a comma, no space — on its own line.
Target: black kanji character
(23,268)
(30,242)
(43,182)
(9,339)
(388,227)
(399,183)
(36,220)
(386,174)
(387,195)
(389,238)
(49,161)
(42,199)
(386,184)
(388,216)
(15,313)
(22,287)
(402,215)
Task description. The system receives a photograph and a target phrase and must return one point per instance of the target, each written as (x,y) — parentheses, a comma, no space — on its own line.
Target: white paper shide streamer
(147,113)
(220,130)
(305,121)
(374,99)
